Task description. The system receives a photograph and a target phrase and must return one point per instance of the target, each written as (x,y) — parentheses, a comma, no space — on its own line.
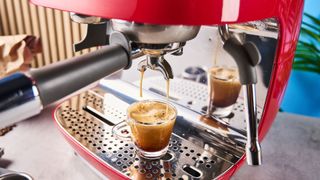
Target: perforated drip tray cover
(89,117)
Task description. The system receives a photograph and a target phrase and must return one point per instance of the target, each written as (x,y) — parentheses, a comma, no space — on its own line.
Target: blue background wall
(303,91)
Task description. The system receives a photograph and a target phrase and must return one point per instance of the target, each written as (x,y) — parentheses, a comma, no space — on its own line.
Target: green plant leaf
(306,62)
(311,34)
(316,28)
(307,69)
(307,52)
(312,18)
(307,55)
(311,46)
(301,47)
(303,63)
(315,69)
(296,65)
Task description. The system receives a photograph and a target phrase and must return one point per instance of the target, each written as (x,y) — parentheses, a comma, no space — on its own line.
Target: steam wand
(247,56)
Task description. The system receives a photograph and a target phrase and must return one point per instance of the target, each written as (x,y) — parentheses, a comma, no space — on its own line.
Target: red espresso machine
(260,36)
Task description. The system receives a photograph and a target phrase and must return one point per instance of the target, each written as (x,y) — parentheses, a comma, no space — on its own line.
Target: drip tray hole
(192,171)
(169,156)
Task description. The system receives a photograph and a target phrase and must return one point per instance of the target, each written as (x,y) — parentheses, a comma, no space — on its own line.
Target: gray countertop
(290,151)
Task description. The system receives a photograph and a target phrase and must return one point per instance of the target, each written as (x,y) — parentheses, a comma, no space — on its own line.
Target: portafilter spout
(157,63)
(246,56)
(154,41)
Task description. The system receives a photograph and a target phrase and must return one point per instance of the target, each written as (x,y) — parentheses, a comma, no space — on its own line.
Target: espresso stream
(152,138)
(141,79)
(167,88)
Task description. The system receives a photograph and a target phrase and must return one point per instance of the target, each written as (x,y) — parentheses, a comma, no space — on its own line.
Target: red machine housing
(204,12)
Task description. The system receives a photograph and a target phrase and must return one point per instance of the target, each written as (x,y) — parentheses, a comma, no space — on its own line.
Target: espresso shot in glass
(224,88)
(150,124)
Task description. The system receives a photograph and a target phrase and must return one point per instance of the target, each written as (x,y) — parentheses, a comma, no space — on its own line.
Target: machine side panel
(289,19)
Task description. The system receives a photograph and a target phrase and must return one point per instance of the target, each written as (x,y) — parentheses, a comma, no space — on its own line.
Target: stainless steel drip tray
(196,150)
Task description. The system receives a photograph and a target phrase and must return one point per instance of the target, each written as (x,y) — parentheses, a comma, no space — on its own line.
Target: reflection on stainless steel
(225,33)
(155,57)
(155,34)
(1,152)
(6,174)
(195,73)
(253,150)
(210,148)
(15,175)
(136,53)
(84,19)
(264,28)
(24,100)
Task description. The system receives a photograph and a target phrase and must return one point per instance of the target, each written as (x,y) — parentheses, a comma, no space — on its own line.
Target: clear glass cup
(150,125)
(224,88)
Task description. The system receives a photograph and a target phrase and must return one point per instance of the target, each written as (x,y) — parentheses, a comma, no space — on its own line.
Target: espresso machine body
(199,148)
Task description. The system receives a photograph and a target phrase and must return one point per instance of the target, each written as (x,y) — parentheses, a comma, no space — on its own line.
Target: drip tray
(88,119)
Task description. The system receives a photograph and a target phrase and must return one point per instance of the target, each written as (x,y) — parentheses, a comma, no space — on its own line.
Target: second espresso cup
(224,88)
(151,124)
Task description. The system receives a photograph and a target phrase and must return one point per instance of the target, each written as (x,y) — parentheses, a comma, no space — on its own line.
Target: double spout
(157,63)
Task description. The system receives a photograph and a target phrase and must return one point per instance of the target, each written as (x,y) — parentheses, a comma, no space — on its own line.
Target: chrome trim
(136,53)
(224,32)
(195,73)
(264,28)
(17,109)
(85,19)
(155,34)
(253,149)
(15,175)
(1,152)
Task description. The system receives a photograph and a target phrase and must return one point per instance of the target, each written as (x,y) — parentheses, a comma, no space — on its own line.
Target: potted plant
(307,57)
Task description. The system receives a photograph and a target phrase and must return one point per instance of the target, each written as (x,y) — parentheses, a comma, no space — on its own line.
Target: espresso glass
(224,88)
(151,138)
